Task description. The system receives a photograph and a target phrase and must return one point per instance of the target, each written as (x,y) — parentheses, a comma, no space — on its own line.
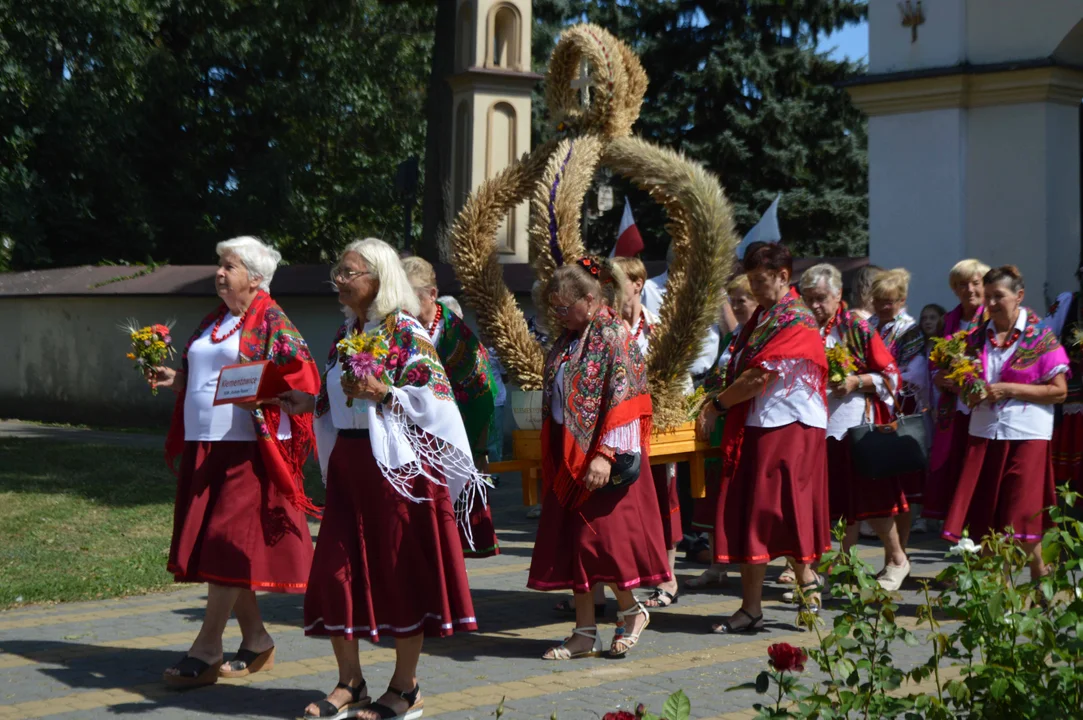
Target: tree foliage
(135,129)
(742,87)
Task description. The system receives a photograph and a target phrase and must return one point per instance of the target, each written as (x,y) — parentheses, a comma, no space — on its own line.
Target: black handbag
(624,472)
(896,448)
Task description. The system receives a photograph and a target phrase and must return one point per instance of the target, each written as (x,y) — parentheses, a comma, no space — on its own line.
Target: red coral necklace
(436,320)
(217,326)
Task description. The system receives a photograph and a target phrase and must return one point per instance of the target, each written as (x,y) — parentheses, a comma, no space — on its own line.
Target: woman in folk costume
(466,363)
(737,309)
(952,415)
(239,519)
(902,336)
(1066,321)
(773,494)
(395,457)
(865,395)
(1007,474)
(642,324)
(596,420)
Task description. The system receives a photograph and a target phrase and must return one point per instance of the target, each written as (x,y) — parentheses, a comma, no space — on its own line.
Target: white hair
(823,273)
(395,291)
(452,304)
(260,260)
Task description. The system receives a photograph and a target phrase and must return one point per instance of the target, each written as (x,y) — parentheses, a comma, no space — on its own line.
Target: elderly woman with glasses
(472,380)
(396,457)
(238,522)
(600,521)
(866,395)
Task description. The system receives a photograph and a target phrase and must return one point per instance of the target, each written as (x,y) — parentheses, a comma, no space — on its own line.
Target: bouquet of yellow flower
(695,403)
(840,364)
(965,372)
(362,355)
(1075,343)
(152,345)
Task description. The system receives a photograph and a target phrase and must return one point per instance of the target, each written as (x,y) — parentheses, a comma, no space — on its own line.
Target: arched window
(464,38)
(461,180)
(501,151)
(504,31)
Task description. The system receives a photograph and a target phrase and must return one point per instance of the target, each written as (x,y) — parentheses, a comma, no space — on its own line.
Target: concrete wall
(62,359)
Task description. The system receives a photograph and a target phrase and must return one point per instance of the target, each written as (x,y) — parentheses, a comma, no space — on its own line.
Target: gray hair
(823,273)
(395,291)
(260,260)
(452,304)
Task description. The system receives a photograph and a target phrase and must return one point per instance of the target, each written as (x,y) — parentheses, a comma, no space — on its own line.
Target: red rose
(619,715)
(786,657)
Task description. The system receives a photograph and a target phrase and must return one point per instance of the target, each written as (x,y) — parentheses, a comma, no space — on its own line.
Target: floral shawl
(472,377)
(267,334)
(785,336)
(605,387)
(870,355)
(420,433)
(1037,358)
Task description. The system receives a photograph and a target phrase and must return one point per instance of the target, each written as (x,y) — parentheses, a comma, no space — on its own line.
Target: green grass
(84,522)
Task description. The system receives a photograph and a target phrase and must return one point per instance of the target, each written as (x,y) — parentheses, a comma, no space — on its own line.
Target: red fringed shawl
(870,355)
(787,332)
(605,387)
(267,334)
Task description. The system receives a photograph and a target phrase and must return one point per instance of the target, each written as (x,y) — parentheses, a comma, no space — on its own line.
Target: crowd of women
(402,451)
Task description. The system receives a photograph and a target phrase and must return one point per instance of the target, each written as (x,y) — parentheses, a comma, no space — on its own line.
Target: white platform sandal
(622,637)
(561,652)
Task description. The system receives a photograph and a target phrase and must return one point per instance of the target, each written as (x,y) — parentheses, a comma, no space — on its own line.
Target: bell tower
(491,87)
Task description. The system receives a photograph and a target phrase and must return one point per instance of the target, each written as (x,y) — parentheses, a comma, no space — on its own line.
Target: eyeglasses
(344,275)
(561,310)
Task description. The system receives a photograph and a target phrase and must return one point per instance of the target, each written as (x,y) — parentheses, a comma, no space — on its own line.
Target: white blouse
(1011,419)
(846,412)
(203,420)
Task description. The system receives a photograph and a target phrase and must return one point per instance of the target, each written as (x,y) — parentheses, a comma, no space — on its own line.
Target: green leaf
(763,682)
(679,707)
(998,688)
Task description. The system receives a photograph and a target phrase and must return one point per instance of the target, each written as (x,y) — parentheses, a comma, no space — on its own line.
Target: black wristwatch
(717,405)
(387,398)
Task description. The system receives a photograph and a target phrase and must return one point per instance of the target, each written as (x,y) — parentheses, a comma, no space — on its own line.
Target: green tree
(742,87)
(154,128)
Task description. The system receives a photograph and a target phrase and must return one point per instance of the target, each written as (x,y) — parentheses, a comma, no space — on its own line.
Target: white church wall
(942,39)
(916,184)
(1004,30)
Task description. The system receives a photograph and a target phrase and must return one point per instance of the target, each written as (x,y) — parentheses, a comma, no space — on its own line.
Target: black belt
(356,434)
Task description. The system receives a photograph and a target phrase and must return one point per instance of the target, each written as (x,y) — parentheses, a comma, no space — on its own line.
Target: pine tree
(740,86)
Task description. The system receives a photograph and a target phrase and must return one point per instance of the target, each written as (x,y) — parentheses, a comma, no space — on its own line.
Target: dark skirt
(385,564)
(1004,483)
(943,480)
(855,497)
(614,537)
(482,529)
(1068,450)
(669,505)
(232,527)
(705,509)
(776,503)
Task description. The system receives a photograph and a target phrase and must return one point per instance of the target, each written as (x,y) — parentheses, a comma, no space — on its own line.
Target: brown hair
(1005,274)
(576,280)
(861,292)
(768,256)
(633,267)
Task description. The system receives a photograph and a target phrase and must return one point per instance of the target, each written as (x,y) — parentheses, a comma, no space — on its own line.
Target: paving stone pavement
(104,659)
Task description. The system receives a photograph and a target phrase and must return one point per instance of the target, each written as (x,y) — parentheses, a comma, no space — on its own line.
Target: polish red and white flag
(629,241)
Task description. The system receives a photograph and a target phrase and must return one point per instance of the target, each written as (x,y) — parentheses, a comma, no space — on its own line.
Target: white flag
(766,230)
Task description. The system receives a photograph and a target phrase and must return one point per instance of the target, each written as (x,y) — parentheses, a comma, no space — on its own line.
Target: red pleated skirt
(232,527)
(385,564)
(614,537)
(1004,483)
(776,503)
(1068,451)
(855,497)
(669,504)
(943,480)
(482,529)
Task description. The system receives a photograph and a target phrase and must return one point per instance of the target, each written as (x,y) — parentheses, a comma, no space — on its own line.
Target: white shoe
(919,526)
(892,576)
